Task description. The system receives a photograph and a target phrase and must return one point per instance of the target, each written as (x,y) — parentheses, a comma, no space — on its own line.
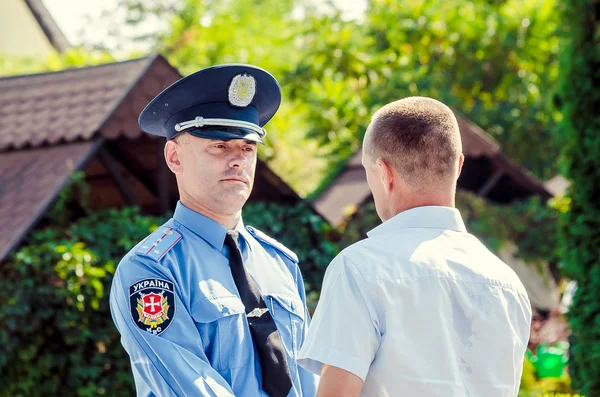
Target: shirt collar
(428,217)
(209,229)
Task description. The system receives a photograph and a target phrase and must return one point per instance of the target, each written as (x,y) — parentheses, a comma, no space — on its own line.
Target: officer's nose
(239,161)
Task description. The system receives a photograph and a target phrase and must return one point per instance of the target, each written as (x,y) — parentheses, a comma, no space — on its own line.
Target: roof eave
(48,25)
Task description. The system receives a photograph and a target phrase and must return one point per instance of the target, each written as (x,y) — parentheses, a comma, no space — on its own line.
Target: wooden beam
(490,183)
(135,168)
(110,164)
(164,182)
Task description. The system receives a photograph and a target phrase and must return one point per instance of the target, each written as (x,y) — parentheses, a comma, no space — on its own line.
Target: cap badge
(242,90)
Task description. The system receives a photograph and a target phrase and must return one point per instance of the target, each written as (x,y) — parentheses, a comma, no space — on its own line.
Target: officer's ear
(172,156)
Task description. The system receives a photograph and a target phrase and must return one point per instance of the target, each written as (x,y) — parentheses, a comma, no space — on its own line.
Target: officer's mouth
(235,180)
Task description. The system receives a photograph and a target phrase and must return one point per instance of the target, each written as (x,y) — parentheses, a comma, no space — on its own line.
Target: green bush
(531,224)
(303,231)
(579,135)
(56,333)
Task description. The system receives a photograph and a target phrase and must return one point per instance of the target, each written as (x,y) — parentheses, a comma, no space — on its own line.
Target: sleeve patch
(159,243)
(273,243)
(152,304)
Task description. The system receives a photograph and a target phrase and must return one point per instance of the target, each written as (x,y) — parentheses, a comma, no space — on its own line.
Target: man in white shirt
(420,308)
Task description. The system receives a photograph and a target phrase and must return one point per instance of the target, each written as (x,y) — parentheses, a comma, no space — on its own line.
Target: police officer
(205,305)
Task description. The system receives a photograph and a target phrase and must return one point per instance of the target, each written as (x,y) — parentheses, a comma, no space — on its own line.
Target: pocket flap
(291,304)
(214,308)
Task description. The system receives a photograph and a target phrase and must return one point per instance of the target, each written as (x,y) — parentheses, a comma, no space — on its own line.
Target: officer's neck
(229,221)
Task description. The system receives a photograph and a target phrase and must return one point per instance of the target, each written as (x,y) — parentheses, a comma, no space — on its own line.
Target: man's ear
(172,156)
(461,161)
(386,173)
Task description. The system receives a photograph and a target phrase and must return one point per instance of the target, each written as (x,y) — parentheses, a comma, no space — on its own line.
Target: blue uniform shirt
(174,301)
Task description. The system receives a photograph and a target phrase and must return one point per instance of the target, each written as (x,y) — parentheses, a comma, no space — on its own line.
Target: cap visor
(238,133)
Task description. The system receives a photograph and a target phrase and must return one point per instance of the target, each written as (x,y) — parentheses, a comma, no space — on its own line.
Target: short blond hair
(419,137)
(182,138)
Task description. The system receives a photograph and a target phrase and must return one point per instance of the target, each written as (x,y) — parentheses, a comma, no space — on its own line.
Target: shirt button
(225,310)
(293,305)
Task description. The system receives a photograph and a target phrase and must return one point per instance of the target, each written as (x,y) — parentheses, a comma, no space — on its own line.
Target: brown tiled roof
(62,106)
(30,181)
(48,122)
(48,25)
(350,189)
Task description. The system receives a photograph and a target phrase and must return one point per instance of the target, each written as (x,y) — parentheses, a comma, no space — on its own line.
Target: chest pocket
(226,338)
(288,312)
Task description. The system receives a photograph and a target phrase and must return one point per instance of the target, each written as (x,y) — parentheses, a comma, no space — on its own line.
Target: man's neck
(229,221)
(406,203)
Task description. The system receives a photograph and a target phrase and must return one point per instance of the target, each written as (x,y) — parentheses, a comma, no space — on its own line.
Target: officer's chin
(233,186)
(235,199)
(236,188)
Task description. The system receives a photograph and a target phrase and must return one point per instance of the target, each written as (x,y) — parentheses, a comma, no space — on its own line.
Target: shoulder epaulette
(273,243)
(159,243)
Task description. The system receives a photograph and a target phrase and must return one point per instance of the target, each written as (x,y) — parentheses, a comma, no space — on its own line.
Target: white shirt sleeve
(344,331)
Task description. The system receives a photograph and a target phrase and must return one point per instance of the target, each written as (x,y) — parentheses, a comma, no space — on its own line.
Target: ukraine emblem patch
(152,304)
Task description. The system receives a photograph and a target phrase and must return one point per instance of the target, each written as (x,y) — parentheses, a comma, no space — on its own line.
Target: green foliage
(303,231)
(579,136)
(358,222)
(56,332)
(72,58)
(496,62)
(528,378)
(530,224)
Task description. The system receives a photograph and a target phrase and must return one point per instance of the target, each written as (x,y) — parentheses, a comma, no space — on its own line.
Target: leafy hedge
(301,229)
(531,224)
(579,134)
(56,333)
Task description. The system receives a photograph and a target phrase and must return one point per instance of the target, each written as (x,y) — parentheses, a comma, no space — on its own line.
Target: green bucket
(550,361)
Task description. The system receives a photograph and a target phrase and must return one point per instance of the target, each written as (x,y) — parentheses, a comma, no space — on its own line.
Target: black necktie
(276,378)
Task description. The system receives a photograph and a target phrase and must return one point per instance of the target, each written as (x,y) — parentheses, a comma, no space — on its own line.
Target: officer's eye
(220,146)
(249,148)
